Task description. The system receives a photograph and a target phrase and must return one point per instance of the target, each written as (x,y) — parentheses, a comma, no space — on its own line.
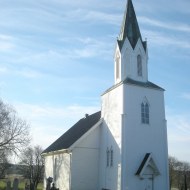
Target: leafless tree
(179,174)
(172,170)
(4,164)
(14,132)
(33,165)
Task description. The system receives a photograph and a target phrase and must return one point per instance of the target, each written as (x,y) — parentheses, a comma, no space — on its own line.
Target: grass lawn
(21,184)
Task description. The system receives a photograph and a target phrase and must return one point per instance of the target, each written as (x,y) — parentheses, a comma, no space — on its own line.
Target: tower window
(145,113)
(111,157)
(139,66)
(108,157)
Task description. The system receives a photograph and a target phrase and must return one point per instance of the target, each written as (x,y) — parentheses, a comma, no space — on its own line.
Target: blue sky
(56,59)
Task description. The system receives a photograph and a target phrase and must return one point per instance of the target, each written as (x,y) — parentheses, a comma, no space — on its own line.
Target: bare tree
(179,174)
(4,164)
(172,170)
(33,165)
(14,132)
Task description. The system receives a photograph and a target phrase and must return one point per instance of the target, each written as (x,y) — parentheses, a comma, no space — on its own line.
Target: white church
(123,146)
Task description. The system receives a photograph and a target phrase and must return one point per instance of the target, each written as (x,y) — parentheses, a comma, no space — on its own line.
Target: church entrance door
(148,183)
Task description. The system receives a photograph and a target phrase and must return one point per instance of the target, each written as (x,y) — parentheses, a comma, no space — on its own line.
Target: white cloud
(28,73)
(93,48)
(3,70)
(186,96)
(178,128)
(171,26)
(163,39)
(6,42)
(172,6)
(23,72)
(178,135)
(86,47)
(49,122)
(103,17)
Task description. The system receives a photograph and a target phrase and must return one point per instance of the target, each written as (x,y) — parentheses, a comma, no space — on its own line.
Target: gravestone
(27,186)
(49,180)
(53,187)
(15,184)
(8,187)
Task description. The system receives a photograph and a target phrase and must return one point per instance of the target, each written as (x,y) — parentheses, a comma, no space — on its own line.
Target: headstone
(27,186)
(48,183)
(8,187)
(53,187)
(15,184)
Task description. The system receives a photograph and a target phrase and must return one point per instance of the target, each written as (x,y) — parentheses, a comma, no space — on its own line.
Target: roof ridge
(74,133)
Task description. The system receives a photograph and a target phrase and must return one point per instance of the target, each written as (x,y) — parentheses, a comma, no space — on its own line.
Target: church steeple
(131,55)
(130,28)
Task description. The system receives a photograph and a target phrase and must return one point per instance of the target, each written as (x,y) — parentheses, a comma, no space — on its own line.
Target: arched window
(145,113)
(139,66)
(108,157)
(111,157)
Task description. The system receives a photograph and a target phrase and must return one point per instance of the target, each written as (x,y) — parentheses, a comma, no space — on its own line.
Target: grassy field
(21,184)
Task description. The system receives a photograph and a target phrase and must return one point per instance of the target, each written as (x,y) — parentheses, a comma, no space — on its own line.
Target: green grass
(21,184)
(2,185)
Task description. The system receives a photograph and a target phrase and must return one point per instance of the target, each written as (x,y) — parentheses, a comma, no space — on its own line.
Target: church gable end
(147,167)
(74,133)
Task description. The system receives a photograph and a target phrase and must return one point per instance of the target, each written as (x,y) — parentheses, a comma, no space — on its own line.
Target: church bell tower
(134,125)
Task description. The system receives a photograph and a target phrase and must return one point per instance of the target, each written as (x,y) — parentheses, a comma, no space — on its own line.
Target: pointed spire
(129,28)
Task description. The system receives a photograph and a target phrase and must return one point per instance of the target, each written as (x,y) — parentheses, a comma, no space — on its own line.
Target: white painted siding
(60,171)
(109,177)
(85,162)
(142,138)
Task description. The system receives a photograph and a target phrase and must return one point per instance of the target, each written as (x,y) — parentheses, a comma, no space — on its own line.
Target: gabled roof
(147,162)
(143,163)
(130,28)
(74,133)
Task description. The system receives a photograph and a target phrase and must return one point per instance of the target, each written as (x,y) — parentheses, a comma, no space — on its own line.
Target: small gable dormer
(132,50)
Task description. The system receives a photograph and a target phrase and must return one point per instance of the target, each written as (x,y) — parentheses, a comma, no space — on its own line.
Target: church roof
(148,161)
(136,83)
(74,133)
(147,84)
(143,163)
(130,28)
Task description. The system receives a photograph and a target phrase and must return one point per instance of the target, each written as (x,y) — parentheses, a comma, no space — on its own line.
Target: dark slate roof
(142,164)
(130,28)
(147,84)
(74,133)
(137,83)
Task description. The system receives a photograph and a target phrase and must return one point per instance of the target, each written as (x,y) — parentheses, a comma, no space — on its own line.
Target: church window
(117,66)
(111,157)
(145,113)
(139,65)
(108,157)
